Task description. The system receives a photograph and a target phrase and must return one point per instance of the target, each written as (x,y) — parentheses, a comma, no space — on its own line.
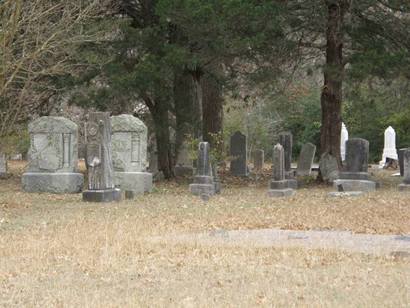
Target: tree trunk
(184,98)
(159,112)
(331,97)
(212,103)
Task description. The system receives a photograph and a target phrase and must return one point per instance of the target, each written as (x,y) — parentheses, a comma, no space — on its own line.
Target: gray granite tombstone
(356,177)
(129,154)
(239,155)
(53,157)
(184,165)
(286,140)
(258,160)
(279,186)
(3,165)
(203,184)
(329,168)
(101,187)
(405,186)
(306,157)
(401,161)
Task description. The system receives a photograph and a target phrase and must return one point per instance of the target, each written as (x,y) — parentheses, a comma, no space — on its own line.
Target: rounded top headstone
(127,123)
(47,124)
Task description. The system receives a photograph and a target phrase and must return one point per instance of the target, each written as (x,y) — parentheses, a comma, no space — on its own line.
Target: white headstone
(344,136)
(389,150)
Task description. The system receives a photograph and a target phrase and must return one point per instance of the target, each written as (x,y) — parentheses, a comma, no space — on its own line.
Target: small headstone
(279,186)
(329,168)
(401,160)
(356,177)
(184,165)
(53,157)
(204,181)
(18,156)
(306,157)
(3,165)
(239,155)
(405,186)
(389,150)
(258,160)
(98,160)
(286,140)
(129,154)
(344,136)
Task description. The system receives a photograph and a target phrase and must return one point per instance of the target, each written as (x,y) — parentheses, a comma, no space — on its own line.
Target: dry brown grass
(58,251)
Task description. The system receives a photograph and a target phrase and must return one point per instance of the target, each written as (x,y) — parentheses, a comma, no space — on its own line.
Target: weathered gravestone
(329,168)
(286,140)
(344,136)
(184,165)
(258,160)
(389,150)
(3,165)
(53,157)
(356,177)
(279,186)
(401,160)
(307,154)
(239,155)
(98,160)
(405,186)
(129,154)
(203,184)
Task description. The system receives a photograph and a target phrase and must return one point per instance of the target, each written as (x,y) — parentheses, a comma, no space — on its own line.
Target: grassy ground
(58,251)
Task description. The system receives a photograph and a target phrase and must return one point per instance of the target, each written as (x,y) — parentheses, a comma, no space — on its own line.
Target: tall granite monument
(239,155)
(129,154)
(279,186)
(355,178)
(286,141)
(98,160)
(405,186)
(53,157)
(203,184)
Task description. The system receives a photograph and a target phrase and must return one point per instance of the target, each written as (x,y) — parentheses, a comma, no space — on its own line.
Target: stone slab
(279,184)
(280,193)
(56,183)
(404,187)
(107,195)
(354,175)
(355,185)
(202,189)
(138,182)
(371,244)
(346,193)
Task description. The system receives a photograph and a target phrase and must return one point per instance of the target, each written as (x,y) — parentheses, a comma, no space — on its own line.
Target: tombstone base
(217,185)
(292,183)
(344,185)
(56,183)
(354,176)
(138,182)
(183,171)
(106,195)
(278,193)
(404,187)
(279,184)
(346,193)
(202,189)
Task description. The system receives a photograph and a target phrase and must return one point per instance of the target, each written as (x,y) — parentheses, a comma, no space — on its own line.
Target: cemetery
(200,154)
